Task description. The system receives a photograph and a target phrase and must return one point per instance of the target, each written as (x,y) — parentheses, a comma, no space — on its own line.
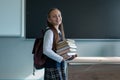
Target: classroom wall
(16,61)
(15,51)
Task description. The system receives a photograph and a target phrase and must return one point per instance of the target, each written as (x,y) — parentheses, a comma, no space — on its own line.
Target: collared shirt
(48,44)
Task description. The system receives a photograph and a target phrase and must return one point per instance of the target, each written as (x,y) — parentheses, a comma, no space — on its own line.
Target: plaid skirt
(55,73)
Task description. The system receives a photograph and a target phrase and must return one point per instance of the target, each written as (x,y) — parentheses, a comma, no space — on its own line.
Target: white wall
(98,48)
(16,61)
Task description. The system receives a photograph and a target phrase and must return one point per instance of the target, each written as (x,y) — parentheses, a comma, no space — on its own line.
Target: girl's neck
(56,27)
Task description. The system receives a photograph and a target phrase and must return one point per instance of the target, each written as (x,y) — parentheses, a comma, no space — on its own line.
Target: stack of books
(73,48)
(66,49)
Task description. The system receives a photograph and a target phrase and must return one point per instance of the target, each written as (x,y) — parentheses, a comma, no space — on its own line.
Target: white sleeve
(47,47)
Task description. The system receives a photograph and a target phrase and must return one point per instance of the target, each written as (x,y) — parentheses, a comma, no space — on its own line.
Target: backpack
(39,58)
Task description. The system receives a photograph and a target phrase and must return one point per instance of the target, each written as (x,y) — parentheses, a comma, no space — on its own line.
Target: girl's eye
(54,16)
(59,15)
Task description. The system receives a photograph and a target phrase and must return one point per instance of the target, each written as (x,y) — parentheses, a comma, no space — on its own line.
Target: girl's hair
(56,36)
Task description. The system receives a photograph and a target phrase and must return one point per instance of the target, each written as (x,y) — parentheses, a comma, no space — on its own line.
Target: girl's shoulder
(49,31)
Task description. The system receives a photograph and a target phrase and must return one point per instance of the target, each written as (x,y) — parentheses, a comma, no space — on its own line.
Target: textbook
(66,49)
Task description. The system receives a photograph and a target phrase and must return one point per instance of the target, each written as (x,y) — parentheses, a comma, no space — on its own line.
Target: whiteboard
(10,18)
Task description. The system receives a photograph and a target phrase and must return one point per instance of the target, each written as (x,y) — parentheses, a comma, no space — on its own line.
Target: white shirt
(48,44)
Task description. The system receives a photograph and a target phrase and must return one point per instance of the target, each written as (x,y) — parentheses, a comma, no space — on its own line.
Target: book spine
(61,49)
(63,52)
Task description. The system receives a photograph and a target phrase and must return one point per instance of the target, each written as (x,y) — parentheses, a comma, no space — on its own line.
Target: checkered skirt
(54,74)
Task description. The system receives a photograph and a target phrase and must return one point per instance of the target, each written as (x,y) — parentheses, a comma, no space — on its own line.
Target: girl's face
(55,17)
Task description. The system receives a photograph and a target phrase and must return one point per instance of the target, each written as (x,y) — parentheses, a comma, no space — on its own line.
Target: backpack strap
(33,70)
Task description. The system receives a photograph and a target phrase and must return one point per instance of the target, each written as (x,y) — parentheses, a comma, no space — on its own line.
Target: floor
(94,72)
